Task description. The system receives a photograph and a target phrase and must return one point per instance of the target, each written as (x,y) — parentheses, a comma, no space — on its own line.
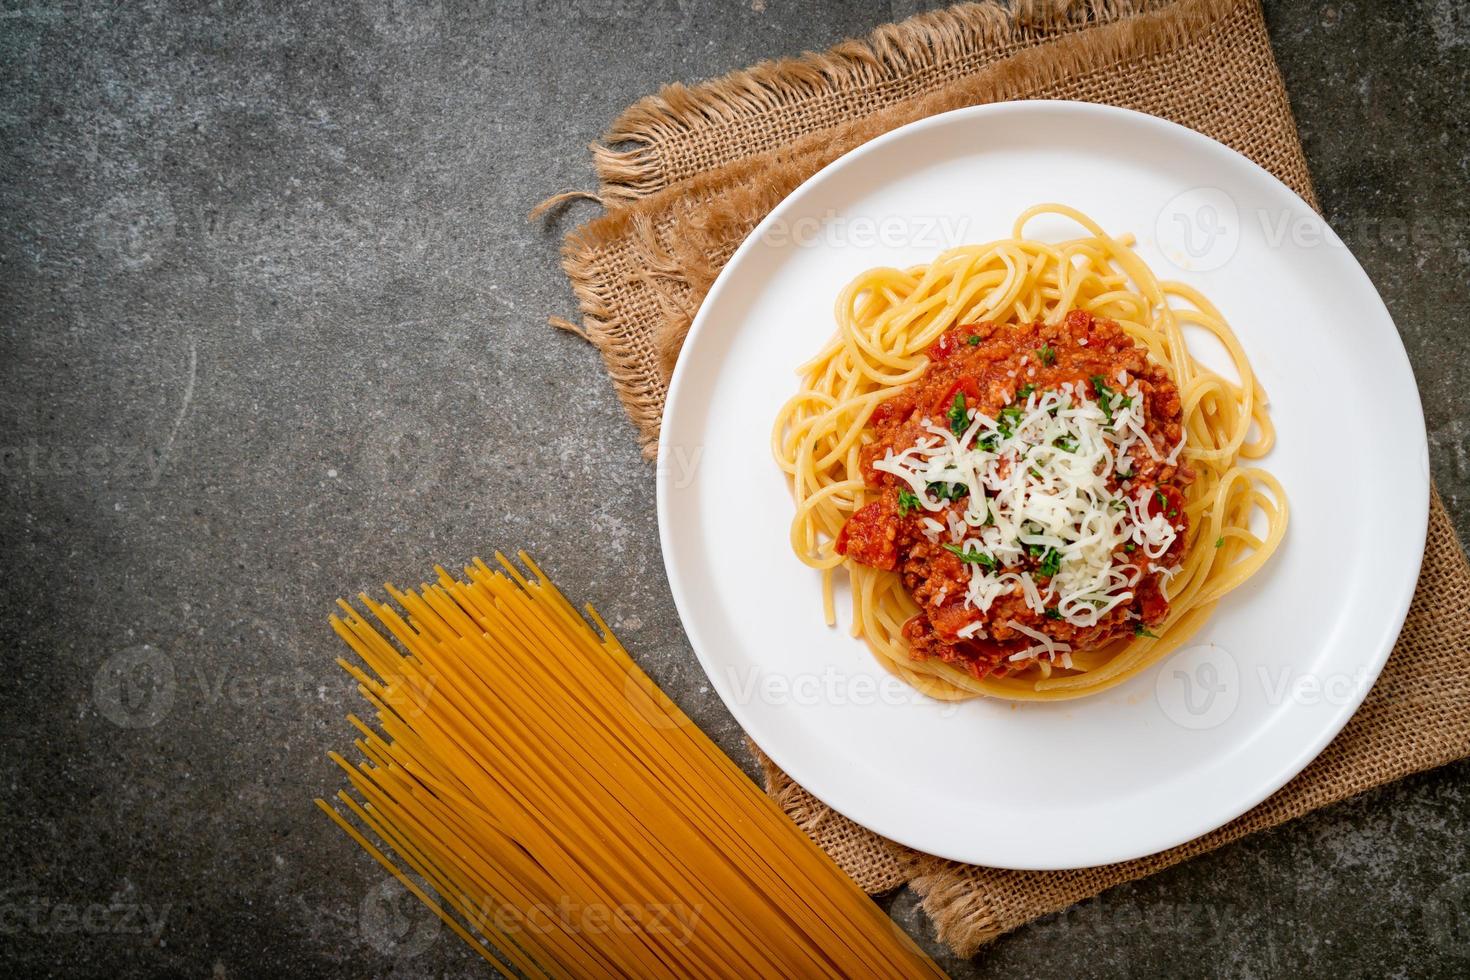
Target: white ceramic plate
(1194,742)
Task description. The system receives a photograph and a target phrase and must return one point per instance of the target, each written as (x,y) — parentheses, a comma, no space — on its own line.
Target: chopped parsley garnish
(971,557)
(1053,613)
(1142,630)
(1065,443)
(974,340)
(1025,392)
(1104,395)
(948,491)
(907,502)
(1048,355)
(959,418)
(1220,541)
(1007,420)
(1130,547)
(989,441)
(1163,501)
(1051,564)
(1124,476)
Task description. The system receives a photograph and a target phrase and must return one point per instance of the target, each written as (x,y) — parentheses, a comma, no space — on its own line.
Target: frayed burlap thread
(640,271)
(683,132)
(687,174)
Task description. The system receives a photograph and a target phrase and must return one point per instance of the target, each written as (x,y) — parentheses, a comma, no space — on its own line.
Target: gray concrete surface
(273,331)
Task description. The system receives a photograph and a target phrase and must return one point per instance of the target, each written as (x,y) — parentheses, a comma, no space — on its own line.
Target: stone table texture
(272,330)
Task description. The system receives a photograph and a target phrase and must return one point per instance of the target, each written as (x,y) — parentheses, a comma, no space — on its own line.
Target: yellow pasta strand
(568,818)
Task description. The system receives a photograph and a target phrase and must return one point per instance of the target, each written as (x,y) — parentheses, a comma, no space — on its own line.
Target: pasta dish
(1034,487)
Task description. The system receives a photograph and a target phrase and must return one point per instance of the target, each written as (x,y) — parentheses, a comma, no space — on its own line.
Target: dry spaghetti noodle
(567,817)
(887,321)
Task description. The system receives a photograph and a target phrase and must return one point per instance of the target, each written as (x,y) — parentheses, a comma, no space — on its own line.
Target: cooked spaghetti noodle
(893,325)
(569,818)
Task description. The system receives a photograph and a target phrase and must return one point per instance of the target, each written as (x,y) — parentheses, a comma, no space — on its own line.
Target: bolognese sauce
(1029,493)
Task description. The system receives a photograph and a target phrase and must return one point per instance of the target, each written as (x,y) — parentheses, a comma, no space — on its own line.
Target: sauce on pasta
(923,528)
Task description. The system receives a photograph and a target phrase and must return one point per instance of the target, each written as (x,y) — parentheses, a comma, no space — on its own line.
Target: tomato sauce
(992,365)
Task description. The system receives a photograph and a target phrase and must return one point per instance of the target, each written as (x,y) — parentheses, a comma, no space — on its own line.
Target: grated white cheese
(1044,644)
(1037,486)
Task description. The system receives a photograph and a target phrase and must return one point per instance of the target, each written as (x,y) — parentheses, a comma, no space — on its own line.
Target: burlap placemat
(689,172)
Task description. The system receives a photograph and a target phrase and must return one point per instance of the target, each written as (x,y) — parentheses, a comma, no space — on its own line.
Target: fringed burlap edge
(729,197)
(927,42)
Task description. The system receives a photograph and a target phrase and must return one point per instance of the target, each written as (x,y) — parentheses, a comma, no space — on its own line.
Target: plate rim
(751,726)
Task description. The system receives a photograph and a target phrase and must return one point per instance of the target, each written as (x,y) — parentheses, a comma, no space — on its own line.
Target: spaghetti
(566,815)
(1102,496)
